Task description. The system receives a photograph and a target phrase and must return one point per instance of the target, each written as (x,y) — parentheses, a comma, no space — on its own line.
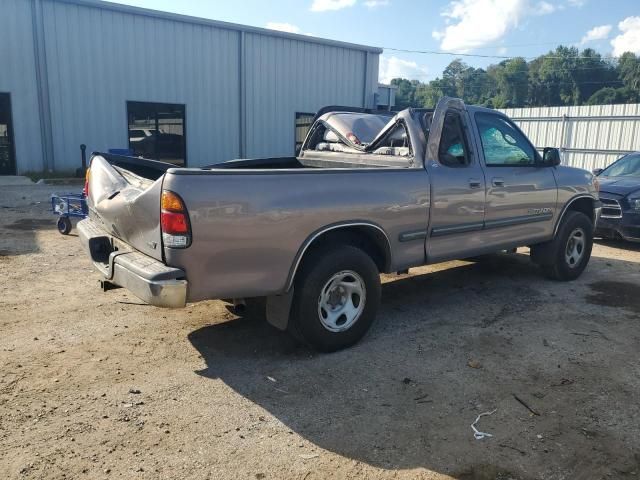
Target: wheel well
(367,238)
(583,205)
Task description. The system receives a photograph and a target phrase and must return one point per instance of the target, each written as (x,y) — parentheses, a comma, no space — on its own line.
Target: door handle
(497,182)
(474,183)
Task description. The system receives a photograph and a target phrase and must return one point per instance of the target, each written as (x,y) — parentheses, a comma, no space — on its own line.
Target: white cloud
(476,23)
(324,5)
(596,33)
(544,8)
(629,39)
(394,67)
(283,27)
(577,3)
(376,3)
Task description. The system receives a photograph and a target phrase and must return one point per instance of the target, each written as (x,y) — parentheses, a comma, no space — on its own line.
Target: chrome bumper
(145,277)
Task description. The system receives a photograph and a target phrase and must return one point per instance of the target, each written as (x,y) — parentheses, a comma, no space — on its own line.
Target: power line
(500,57)
(518,45)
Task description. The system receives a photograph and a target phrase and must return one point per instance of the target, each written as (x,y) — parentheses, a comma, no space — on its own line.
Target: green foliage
(564,76)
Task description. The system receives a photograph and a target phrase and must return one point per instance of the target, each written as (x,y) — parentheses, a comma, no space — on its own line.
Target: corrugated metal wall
(99,59)
(589,136)
(18,77)
(99,56)
(287,76)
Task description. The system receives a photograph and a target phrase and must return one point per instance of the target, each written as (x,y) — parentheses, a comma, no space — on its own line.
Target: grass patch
(35,176)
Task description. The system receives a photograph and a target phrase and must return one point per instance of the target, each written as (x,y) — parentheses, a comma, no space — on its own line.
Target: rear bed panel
(247,226)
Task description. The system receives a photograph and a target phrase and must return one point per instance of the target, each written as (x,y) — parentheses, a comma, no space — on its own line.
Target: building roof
(218,24)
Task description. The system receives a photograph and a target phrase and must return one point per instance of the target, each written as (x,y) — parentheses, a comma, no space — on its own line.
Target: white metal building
(167,86)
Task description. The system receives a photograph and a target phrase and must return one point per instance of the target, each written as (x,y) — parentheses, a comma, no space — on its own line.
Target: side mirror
(551,157)
(597,171)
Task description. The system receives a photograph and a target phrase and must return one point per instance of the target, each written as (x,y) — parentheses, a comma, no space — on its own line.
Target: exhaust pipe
(239,306)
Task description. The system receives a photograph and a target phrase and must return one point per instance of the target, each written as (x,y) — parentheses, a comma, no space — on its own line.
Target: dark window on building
(157,131)
(7,152)
(303,124)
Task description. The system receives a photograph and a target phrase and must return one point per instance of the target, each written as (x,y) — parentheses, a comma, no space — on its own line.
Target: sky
(498,28)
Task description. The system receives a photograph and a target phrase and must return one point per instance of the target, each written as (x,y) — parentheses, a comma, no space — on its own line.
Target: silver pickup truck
(368,192)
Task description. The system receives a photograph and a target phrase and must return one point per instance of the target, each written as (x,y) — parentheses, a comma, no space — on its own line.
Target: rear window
(364,126)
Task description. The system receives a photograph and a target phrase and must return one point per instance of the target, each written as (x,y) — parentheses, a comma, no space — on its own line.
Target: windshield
(628,166)
(364,126)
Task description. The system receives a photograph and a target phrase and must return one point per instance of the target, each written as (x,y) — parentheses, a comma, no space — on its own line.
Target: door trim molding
(453,229)
(521,220)
(413,235)
(489,225)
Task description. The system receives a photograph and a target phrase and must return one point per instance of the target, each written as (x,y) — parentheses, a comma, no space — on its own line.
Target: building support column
(42,85)
(365,93)
(242,77)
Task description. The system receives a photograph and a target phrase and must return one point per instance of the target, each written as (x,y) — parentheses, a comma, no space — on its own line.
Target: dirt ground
(98,385)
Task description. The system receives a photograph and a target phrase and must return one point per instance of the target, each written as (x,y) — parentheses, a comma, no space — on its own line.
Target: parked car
(368,193)
(620,196)
(139,134)
(161,146)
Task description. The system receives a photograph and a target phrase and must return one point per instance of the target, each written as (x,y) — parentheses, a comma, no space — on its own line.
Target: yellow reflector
(171,202)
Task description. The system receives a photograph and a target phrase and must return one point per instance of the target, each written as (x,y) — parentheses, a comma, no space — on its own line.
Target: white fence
(588,137)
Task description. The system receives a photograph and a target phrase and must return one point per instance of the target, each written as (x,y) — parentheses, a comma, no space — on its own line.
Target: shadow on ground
(621,244)
(19,237)
(405,396)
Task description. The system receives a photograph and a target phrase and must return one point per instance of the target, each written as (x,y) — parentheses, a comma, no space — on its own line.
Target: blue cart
(67,206)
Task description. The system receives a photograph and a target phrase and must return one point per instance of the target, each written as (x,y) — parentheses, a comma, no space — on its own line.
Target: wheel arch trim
(328,228)
(566,209)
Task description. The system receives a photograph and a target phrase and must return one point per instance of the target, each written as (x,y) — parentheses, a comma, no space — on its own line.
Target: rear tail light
(85,190)
(174,221)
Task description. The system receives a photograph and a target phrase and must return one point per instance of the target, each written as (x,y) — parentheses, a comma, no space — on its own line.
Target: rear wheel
(567,255)
(336,298)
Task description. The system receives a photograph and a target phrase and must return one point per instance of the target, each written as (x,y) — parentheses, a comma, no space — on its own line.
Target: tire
(568,254)
(324,315)
(64,225)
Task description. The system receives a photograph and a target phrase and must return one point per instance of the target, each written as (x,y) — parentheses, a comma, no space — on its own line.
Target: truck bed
(251,218)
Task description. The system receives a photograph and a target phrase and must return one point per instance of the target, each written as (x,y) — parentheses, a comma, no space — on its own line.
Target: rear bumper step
(145,277)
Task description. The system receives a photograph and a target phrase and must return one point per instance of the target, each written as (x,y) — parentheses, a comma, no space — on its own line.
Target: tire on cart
(64,225)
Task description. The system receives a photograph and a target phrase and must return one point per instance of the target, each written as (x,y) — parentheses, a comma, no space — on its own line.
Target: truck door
(457,184)
(521,194)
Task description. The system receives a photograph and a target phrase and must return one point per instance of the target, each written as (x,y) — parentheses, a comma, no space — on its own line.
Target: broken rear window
(358,128)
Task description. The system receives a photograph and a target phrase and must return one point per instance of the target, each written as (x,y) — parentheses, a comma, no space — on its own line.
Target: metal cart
(68,206)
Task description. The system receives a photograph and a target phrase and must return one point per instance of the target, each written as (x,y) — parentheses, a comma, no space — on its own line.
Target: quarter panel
(249,225)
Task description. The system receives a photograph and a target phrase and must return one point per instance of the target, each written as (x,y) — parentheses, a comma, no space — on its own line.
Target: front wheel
(571,249)
(336,298)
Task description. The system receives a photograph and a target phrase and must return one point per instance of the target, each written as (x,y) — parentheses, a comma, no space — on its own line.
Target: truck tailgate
(125,204)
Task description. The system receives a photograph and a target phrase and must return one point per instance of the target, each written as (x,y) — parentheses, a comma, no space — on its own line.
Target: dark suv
(620,197)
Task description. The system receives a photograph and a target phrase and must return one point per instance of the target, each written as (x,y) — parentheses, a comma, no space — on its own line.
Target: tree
(629,70)
(405,94)
(513,82)
(564,76)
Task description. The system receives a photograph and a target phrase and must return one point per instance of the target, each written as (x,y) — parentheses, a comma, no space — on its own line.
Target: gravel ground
(98,385)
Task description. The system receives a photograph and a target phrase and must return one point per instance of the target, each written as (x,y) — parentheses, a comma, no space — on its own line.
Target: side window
(502,143)
(453,149)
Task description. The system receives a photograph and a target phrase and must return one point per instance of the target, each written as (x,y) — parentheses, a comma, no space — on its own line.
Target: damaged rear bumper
(145,277)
